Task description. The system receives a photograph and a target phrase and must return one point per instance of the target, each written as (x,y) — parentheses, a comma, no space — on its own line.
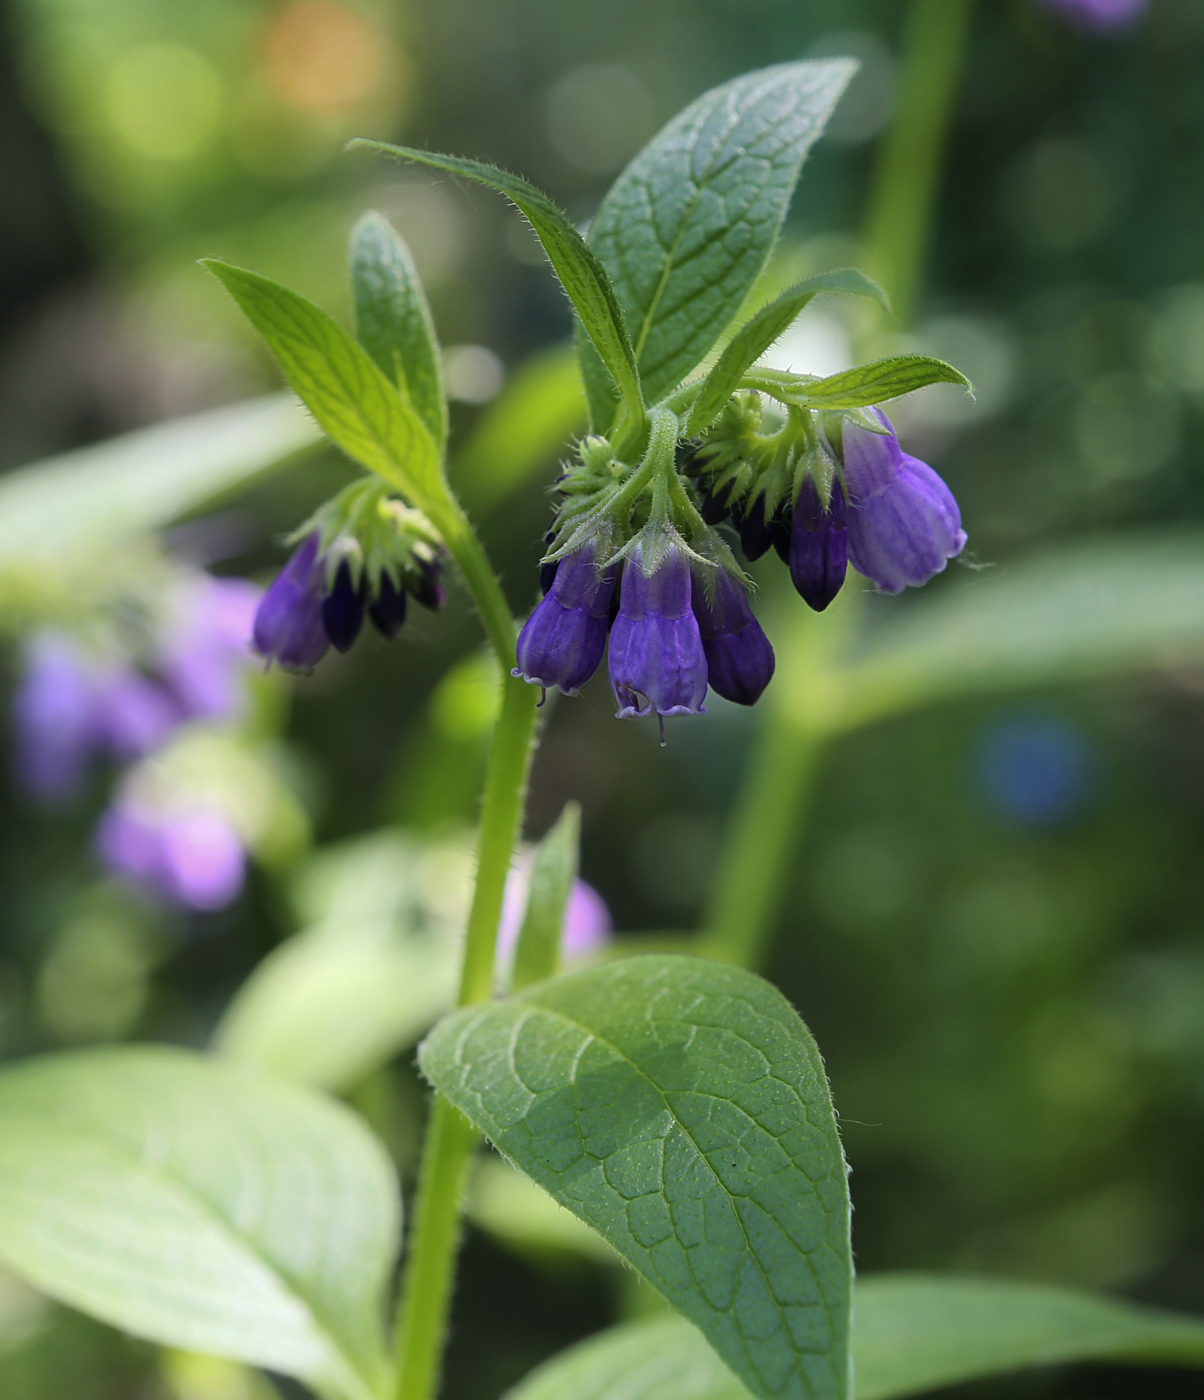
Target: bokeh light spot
(598,116)
(164,100)
(1037,770)
(322,58)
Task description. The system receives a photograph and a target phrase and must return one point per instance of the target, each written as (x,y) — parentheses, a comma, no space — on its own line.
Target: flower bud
(343,609)
(739,658)
(819,545)
(288,623)
(656,658)
(388,609)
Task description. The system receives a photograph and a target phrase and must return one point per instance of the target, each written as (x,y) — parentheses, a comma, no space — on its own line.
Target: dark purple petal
(905,534)
(819,541)
(388,608)
(656,657)
(740,660)
(547,571)
(425,582)
(343,609)
(714,506)
(288,623)
(562,643)
(757,534)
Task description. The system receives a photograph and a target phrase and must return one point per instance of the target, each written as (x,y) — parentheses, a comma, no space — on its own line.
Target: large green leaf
(144,479)
(1075,613)
(393,321)
(755,337)
(912,1333)
(196,1204)
(373,970)
(679,1107)
(580,272)
(690,223)
(340,383)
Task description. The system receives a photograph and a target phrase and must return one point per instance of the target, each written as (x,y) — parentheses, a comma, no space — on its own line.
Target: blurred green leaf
(193,1203)
(523,430)
(374,971)
(553,870)
(141,480)
(912,1333)
(689,224)
(679,1107)
(581,273)
(393,321)
(755,337)
(340,384)
(860,387)
(525,1218)
(1077,613)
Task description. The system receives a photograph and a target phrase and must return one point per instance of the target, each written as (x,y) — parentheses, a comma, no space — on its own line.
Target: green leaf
(523,430)
(1074,613)
(193,1203)
(679,1107)
(141,480)
(340,384)
(393,321)
(912,1333)
(690,223)
(553,870)
(579,270)
(373,971)
(755,337)
(859,387)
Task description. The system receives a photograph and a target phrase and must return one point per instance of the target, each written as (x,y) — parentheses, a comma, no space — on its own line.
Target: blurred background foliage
(994,912)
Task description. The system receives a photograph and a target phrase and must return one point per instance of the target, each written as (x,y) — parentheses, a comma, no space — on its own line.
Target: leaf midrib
(124,1154)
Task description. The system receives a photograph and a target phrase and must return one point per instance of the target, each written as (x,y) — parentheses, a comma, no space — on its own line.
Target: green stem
(909,162)
(450,1141)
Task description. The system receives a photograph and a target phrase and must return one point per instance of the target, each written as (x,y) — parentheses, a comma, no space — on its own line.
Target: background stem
(771,811)
(450,1140)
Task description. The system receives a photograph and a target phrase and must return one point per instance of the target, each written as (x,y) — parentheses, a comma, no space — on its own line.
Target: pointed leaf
(340,384)
(912,1333)
(580,272)
(755,337)
(690,223)
(393,321)
(553,870)
(200,1206)
(859,387)
(679,1107)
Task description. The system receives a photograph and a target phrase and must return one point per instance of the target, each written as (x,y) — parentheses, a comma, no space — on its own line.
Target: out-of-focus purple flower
(904,524)
(134,714)
(563,640)
(288,623)
(739,658)
(656,658)
(587,922)
(192,858)
(1100,15)
(204,656)
(819,545)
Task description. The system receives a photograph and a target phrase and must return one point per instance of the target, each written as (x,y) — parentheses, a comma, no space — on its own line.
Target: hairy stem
(450,1141)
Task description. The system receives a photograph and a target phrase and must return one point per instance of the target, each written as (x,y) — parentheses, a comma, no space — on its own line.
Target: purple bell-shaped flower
(739,658)
(904,524)
(657,662)
(819,545)
(564,638)
(288,624)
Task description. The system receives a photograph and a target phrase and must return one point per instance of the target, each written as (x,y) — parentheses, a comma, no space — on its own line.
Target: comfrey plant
(676,1105)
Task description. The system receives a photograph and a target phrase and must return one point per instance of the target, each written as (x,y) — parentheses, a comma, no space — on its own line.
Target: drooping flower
(563,640)
(819,545)
(758,534)
(193,857)
(1100,15)
(657,663)
(288,625)
(388,609)
(904,524)
(740,660)
(343,608)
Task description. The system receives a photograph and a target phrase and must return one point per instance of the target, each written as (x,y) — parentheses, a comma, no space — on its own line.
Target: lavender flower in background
(587,923)
(657,663)
(1103,16)
(204,657)
(904,524)
(563,640)
(192,856)
(739,658)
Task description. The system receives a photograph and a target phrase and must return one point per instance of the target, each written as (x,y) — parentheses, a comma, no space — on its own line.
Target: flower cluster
(359,555)
(637,555)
